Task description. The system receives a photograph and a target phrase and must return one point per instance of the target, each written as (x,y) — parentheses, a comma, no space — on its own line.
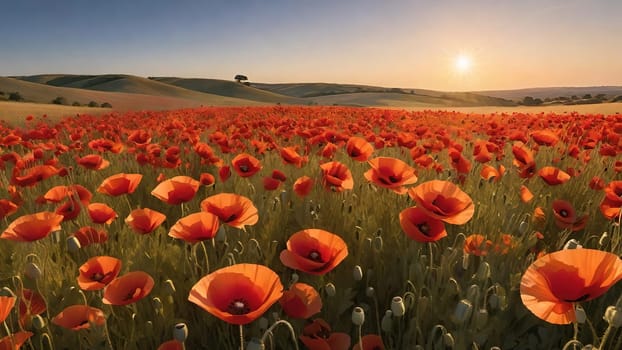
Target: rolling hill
(553,92)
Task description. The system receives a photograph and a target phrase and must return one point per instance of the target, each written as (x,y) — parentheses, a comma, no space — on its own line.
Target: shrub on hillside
(93,104)
(106,105)
(60,100)
(15,96)
(76,104)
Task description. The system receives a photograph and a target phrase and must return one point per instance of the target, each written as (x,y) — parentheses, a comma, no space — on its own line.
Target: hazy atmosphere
(444,45)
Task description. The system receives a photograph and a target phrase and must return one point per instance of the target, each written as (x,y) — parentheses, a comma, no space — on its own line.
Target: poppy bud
(604,239)
(330,289)
(255,344)
(580,313)
(613,316)
(572,244)
(221,235)
(358,316)
(523,227)
(387,321)
(158,306)
(357,273)
(169,287)
(32,271)
(454,287)
(465,261)
(397,306)
(493,301)
(378,243)
(473,293)
(370,292)
(263,323)
(483,272)
(462,312)
(7,292)
(481,318)
(180,332)
(449,341)
(295,278)
(38,322)
(73,244)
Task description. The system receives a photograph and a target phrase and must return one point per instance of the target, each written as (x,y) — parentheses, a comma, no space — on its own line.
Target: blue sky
(510,44)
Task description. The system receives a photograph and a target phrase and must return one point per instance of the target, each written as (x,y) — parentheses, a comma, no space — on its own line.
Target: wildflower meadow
(322,228)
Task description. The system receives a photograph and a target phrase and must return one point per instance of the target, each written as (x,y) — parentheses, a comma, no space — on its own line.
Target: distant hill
(553,92)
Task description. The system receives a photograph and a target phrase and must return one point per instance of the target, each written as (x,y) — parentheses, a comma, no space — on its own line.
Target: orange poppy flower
(553,176)
(539,216)
(545,137)
(328,151)
(318,336)
(57,194)
(207,179)
(303,186)
(30,304)
(483,151)
(336,177)
(128,288)
(477,244)
(301,301)
(459,162)
(171,345)
(144,220)
(555,282)
(7,208)
(76,317)
(524,160)
(611,205)
(6,305)
(419,226)
(101,213)
(444,201)
(233,209)
(369,342)
(195,227)
(33,175)
(93,162)
(566,216)
(314,251)
(15,340)
(390,173)
(119,184)
(32,227)
(289,155)
(237,294)
(525,194)
(246,165)
(359,149)
(490,173)
(98,271)
(88,235)
(177,190)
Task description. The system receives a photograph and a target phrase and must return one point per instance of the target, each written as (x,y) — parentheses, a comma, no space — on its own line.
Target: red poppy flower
(30,304)
(171,345)
(419,226)
(443,200)
(555,282)
(303,186)
(32,227)
(15,340)
(207,179)
(7,208)
(224,173)
(119,184)
(279,175)
(553,176)
(359,149)
(611,205)
(477,244)
(545,137)
(246,165)
(6,305)
(88,235)
(144,220)
(33,175)
(101,213)
(270,184)
(290,156)
(490,173)
(390,173)
(93,162)
(314,251)
(301,301)
(597,184)
(195,227)
(336,177)
(328,151)
(524,160)
(233,209)
(566,217)
(58,194)
(128,288)
(237,294)
(369,342)
(69,210)
(177,190)
(76,317)
(318,336)
(98,271)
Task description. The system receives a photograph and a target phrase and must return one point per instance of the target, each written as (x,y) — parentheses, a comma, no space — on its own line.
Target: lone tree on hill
(239,78)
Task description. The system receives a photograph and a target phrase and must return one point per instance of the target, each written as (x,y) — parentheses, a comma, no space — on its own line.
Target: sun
(462,64)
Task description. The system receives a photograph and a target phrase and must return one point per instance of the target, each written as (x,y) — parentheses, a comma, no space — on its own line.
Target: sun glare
(462,64)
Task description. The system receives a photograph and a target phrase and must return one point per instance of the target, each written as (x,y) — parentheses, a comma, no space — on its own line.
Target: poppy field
(311,228)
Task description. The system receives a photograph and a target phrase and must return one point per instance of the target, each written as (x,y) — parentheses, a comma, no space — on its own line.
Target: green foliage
(106,105)
(59,101)
(15,96)
(93,104)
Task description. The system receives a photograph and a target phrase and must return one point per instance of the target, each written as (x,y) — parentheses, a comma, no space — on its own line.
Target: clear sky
(398,43)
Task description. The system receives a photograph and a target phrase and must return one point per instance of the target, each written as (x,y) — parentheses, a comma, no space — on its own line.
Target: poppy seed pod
(157,305)
(523,227)
(483,272)
(330,289)
(454,287)
(462,312)
(449,341)
(613,316)
(387,321)
(169,287)
(358,316)
(262,323)
(572,244)
(370,292)
(180,332)
(378,243)
(38,322)
(481,318)
(580,314)
(397,306)
(73,244)
(32,271)
(473,293)
(295,278)
(357,273)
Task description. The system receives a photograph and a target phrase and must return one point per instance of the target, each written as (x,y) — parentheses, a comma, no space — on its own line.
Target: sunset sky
(395,43)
